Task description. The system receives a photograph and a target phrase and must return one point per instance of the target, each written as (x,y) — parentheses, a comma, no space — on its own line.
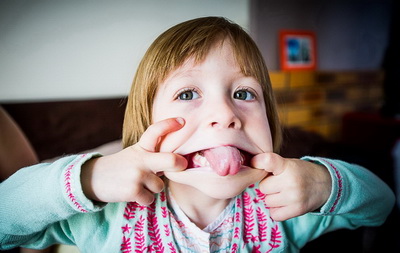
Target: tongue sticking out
(224,160)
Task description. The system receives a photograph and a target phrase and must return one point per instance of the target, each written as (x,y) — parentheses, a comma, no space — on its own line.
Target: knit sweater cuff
(72,187)
(331,205)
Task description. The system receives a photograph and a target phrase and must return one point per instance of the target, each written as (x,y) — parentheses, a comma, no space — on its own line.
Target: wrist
(87,173)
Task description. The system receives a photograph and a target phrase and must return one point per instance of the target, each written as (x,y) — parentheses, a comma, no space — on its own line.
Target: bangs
(191,39)
(195,38)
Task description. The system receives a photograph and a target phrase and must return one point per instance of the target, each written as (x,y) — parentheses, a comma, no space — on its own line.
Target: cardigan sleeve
(36,198)
(358,198)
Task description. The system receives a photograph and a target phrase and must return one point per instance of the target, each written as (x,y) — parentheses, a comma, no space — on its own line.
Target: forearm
(358,198)
(357,194)
(38,196)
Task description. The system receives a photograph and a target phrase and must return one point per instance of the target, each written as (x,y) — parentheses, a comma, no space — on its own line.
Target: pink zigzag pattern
(236,233)
(248,218)
(262,224)
(256,249)
(340,185)
(163,198)
(166,230)
(154,232)
(260,195)
(171,247)
(152,207)
(234,248)
(238,203)
(68,187)
(130,210)
(150,249)
(164,212)
(275,238)
(126,245)
(237,217)
(139,236)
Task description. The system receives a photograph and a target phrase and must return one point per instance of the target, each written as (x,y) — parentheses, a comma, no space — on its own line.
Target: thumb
(269,162)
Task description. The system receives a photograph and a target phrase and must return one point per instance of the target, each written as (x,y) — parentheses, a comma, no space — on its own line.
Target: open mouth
(224,160)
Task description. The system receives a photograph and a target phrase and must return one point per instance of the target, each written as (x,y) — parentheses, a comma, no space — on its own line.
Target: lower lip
(209,169)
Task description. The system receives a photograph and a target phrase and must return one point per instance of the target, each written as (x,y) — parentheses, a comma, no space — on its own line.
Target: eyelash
(246,89)
(249,90)
(180,92)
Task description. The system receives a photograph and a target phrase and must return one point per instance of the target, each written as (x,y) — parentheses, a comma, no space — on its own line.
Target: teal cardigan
(44,204)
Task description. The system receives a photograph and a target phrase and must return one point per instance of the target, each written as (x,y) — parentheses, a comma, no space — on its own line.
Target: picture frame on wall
(297,50)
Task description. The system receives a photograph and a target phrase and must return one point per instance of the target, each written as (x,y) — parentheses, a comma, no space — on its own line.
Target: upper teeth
(200,160)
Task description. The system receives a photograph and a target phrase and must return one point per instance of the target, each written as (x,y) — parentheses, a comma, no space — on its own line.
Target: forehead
(219,51)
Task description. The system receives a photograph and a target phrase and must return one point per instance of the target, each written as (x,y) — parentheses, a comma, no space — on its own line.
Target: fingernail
(180,121)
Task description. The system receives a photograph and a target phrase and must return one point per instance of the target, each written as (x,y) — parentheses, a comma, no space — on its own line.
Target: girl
(198,173)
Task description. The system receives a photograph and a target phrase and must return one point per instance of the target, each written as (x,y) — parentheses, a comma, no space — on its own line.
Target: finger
(270,185)
(284,213)
(141,192)
(161,162)
(270,162)
(154,184)
(152,135)
(273,200)
(278,214)
(144,197)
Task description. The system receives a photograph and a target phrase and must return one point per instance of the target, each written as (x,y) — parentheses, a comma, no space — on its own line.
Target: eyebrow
(180,72)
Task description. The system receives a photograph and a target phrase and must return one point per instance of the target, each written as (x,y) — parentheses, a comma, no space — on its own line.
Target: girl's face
(221,108)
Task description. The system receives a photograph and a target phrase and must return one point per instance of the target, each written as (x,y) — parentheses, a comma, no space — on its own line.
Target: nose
(224,115)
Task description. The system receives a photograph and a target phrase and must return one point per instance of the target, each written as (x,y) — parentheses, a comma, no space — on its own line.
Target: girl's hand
(131,174)
(293,187)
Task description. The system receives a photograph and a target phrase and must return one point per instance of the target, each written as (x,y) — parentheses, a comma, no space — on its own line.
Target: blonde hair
(171,49)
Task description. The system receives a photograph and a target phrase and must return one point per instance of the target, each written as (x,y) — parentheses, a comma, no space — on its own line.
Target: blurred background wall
(351,34)
(79,49)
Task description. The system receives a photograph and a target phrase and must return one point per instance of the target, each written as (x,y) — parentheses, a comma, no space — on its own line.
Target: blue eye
(188,94)
(244,95)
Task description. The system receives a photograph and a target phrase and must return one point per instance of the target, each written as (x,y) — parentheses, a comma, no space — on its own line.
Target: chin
(215,186)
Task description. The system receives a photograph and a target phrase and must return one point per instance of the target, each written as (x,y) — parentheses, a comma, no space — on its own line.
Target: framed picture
(297,50)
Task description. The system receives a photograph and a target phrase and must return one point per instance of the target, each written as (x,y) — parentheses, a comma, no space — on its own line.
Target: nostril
(214,124)
(232,124)
(224,118)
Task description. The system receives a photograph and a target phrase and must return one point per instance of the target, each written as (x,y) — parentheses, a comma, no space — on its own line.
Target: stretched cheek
(268,141)
(262,136)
